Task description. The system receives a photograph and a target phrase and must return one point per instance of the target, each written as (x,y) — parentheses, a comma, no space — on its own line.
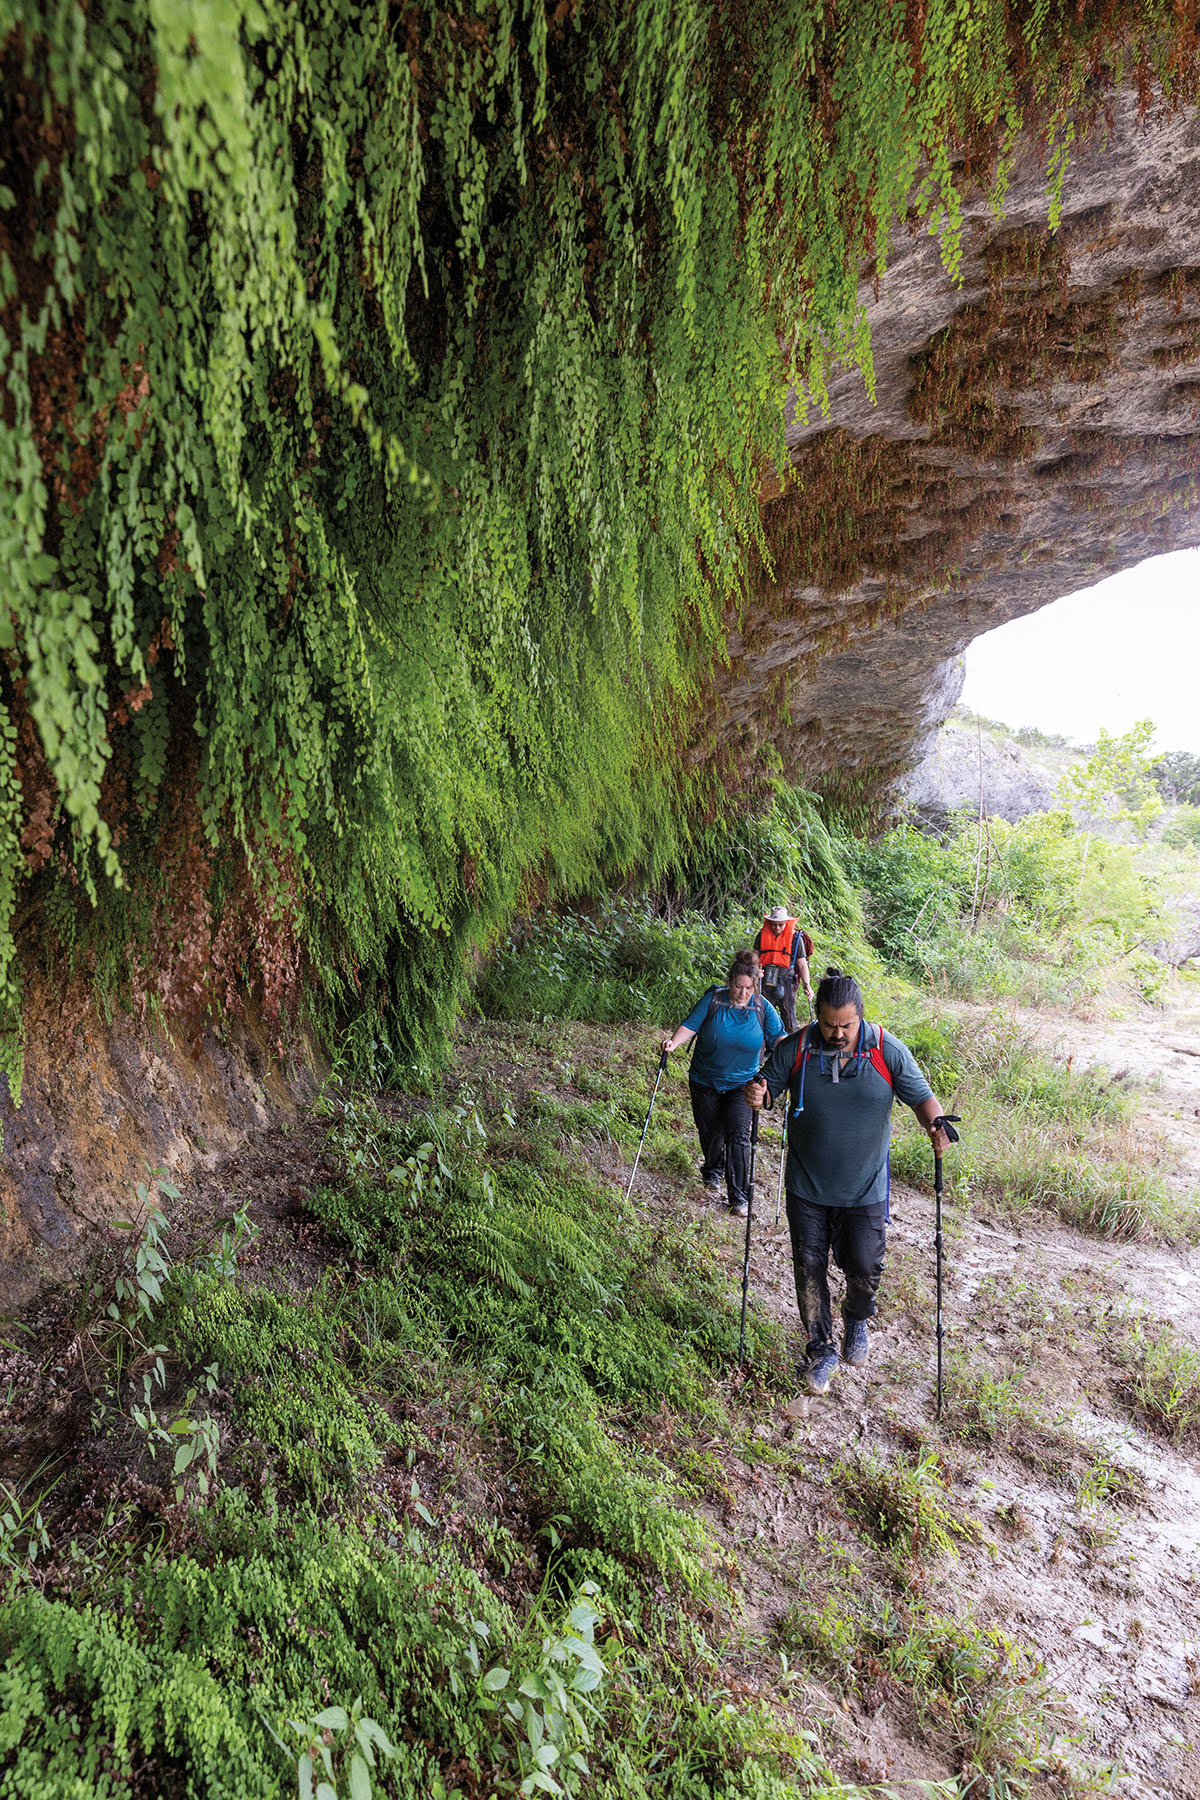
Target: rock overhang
(1034,428)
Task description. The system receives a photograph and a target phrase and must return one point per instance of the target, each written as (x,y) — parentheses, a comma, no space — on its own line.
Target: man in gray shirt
(841,1076)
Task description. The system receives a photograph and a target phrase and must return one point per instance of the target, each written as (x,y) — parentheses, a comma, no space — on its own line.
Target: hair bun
(835,974)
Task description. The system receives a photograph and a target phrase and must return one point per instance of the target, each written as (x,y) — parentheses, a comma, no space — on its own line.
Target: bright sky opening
(1124,650)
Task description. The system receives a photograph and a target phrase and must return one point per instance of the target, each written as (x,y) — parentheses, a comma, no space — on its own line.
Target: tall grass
(1038,1131)
(1166,1381)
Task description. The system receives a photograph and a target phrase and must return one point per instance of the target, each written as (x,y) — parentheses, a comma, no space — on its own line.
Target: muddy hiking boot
(855,1346)
(820,1370)
(739,1208)
(714,1181)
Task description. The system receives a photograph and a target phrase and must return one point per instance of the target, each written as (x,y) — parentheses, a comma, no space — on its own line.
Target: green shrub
(623,962)
(1183,833)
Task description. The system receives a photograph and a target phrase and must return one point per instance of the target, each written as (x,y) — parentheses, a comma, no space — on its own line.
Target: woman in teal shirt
(733,1027)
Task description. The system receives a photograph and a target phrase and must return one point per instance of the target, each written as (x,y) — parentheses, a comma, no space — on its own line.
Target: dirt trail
(1106,1588)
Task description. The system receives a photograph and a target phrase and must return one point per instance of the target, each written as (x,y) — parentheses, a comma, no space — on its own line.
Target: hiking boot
(740,1209)
(820,1371)
(855,1348)
(713,1181)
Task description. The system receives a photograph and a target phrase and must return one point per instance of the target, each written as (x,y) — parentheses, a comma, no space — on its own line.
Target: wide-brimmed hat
(779,915)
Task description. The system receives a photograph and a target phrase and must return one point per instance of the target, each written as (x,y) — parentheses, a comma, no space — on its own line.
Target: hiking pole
(946,1123)
(937,1239)
(662,1065)
(783,1146)
(746,1259)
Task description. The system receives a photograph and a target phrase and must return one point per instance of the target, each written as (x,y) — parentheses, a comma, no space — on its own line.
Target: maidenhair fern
(387,392)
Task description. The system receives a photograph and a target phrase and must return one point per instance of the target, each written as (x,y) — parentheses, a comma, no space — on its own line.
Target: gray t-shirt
(839,1130)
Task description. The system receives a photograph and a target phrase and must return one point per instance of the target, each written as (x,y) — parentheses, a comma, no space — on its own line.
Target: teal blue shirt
(729,1046)
(838,1139)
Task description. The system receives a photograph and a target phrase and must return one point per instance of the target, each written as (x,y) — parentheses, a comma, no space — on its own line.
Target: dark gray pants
(783,999)
(857,1236)
(723,1127)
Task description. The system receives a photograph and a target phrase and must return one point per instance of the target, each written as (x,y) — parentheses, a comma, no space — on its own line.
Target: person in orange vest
(783,951)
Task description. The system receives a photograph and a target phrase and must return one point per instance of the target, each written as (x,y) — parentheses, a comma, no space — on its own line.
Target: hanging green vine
(387,390)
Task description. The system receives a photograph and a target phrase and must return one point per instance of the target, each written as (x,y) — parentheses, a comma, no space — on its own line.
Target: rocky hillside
(970,764)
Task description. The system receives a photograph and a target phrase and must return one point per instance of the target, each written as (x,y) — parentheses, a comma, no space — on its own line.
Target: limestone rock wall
(964,767)
(101,1100)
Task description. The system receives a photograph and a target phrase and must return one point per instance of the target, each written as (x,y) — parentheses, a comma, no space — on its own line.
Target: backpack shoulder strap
(877,1059)
(802,1051)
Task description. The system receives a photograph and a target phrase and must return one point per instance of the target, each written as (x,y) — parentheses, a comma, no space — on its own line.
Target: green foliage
(363,1740)
(970,1685)
(1183,833)
(334,1604)
(902,1504)
(1032,909)
(1176,775)
(386,406)
(138,1286)
(295,1366)
(650,959)
(783,855)
(620,962)
(1040,1131)
(231,1640)
(910,879)
(1115,782)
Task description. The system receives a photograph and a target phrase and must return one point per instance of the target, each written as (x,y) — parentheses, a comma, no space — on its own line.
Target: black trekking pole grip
(746,1257)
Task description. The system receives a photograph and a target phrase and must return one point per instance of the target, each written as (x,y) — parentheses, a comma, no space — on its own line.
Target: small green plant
(236,1236)
(24,1532)
(831,1633)
(1166,1380)
(337,1747)
(902,1505)
(1107,1478)
(199,1449)
(988,1696)
(138,1286)
(544,1713)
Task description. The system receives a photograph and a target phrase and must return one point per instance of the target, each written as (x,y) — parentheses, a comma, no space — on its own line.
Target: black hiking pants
(857,1236)
(723,1127)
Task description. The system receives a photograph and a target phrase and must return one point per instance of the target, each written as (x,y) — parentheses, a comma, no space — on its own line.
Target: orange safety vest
(776,949)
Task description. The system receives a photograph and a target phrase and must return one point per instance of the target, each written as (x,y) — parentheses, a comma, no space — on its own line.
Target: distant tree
(1114,783)
(1054,740)
(1183,833)
(1177,777)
